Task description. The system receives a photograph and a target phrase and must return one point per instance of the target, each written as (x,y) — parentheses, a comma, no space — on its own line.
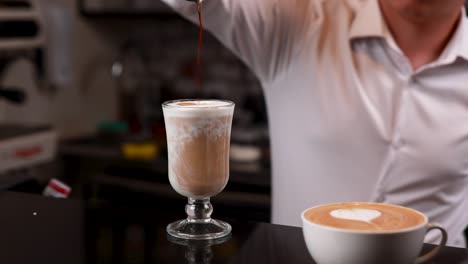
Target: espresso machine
(22,36)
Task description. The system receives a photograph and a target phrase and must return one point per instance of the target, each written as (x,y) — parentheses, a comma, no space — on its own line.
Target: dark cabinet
(102,8)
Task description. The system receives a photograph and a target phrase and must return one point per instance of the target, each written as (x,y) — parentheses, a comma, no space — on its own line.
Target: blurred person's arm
(265,34)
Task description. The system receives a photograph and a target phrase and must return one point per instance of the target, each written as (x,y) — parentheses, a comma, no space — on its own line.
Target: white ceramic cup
(329,245)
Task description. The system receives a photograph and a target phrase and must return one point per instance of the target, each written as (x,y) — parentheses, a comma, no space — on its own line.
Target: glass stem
(199,210)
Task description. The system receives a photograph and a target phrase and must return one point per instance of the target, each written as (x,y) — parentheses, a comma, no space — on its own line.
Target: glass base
(198,251)
(206,230)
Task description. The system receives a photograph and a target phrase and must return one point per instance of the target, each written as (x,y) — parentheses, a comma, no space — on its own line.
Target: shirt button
(398,144)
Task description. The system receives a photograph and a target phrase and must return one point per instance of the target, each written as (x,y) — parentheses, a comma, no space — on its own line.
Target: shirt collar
(369,23)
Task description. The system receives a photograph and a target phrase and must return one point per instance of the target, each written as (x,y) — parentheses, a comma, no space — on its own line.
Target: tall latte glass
(198,140)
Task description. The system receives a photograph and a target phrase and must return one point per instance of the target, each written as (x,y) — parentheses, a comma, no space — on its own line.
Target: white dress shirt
(350,120)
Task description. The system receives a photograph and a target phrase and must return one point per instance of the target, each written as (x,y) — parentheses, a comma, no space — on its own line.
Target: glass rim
(169,104)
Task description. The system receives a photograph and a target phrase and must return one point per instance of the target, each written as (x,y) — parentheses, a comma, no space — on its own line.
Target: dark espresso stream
(198,73)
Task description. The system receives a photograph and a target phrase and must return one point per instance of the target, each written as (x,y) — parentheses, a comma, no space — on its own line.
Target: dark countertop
(44,230)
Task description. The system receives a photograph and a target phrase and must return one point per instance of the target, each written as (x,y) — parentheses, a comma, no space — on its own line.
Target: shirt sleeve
(265,34)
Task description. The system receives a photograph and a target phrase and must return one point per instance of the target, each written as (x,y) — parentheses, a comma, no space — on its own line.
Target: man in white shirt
(367,99)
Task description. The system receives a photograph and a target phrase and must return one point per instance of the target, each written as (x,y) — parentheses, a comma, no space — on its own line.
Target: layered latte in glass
(198,140)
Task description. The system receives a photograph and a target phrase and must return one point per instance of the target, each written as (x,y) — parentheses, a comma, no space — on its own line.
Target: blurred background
(81,87)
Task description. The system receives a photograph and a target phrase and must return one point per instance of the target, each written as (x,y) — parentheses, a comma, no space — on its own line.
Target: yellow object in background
(140,151)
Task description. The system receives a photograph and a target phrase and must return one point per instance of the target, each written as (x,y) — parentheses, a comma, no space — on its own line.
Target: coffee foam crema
(188,119)
(365,216)
(196,108)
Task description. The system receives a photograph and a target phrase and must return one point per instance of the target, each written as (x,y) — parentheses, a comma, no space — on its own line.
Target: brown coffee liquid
(200,46)
(391,218)
(199,154)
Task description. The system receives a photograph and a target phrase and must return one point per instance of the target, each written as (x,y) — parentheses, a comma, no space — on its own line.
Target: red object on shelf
(26,146)
(57,189)
(28,152)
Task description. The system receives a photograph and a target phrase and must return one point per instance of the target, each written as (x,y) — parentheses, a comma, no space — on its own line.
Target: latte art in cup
(368,233)
(365,216)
